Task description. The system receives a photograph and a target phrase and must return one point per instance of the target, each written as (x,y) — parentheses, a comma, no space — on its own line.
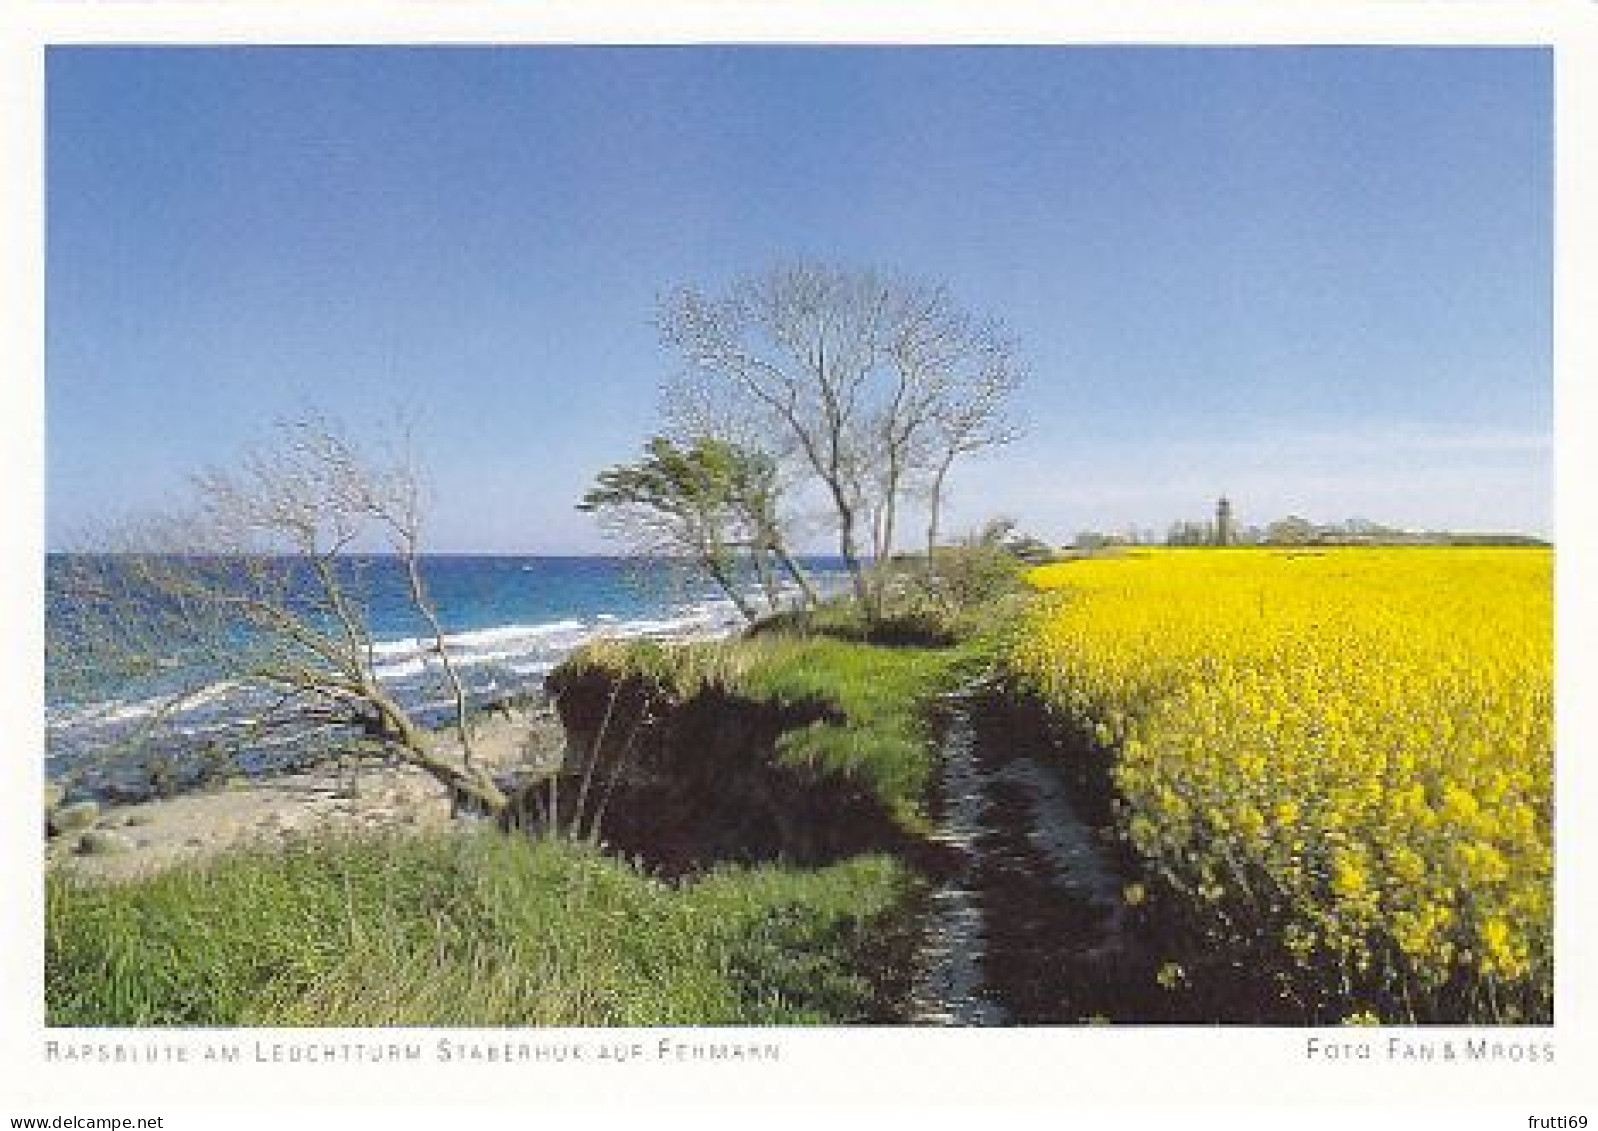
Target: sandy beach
(149,836)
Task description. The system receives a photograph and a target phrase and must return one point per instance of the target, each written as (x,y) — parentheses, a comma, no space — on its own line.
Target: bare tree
(798,346)
(755,493)
(953,377)
(858,375)
(969,414)
(262,586)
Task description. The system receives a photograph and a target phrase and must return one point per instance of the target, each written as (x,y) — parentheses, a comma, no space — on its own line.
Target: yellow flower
(1358,738)
(1348,878)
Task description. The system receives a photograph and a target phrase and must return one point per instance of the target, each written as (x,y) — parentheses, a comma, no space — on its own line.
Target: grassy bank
(481,928)
(465,928)
(874,698)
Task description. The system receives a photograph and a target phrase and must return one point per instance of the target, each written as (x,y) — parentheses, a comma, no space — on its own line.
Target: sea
(508,621)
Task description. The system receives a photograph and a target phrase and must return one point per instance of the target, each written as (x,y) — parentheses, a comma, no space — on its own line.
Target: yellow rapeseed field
(1338,761)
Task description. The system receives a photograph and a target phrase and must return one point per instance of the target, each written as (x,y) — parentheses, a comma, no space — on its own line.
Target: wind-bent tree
(852,374)
(770,481)
(262,585)
(710,501)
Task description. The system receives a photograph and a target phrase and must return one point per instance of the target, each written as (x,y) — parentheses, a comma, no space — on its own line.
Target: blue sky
(1318,280)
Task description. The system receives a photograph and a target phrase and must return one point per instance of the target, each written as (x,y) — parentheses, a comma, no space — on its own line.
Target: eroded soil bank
(684,785)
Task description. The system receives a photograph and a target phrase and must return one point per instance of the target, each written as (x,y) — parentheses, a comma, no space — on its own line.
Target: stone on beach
(103,842)
(71,818)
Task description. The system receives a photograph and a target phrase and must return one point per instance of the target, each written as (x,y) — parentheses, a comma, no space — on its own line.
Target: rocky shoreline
(128,841)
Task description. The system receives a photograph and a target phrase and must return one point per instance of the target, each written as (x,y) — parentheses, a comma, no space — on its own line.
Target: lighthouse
(1224,535)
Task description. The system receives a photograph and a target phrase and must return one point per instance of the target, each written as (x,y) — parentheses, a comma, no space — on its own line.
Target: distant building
(1225,535)
(1291,531)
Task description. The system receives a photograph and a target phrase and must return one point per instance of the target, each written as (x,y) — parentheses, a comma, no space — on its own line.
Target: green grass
(467,928)
(882,695)
(878,694)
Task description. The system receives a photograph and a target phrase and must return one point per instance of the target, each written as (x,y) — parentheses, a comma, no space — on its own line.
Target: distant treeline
(1295,531)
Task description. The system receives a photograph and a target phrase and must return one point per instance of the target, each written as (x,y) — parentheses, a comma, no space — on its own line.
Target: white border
(1261,1074)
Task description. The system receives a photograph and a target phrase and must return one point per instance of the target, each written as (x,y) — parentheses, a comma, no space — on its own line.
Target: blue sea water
(508,622)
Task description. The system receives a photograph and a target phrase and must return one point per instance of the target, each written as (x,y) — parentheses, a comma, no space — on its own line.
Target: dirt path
(1027,923)
(150,836)
(951,986)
